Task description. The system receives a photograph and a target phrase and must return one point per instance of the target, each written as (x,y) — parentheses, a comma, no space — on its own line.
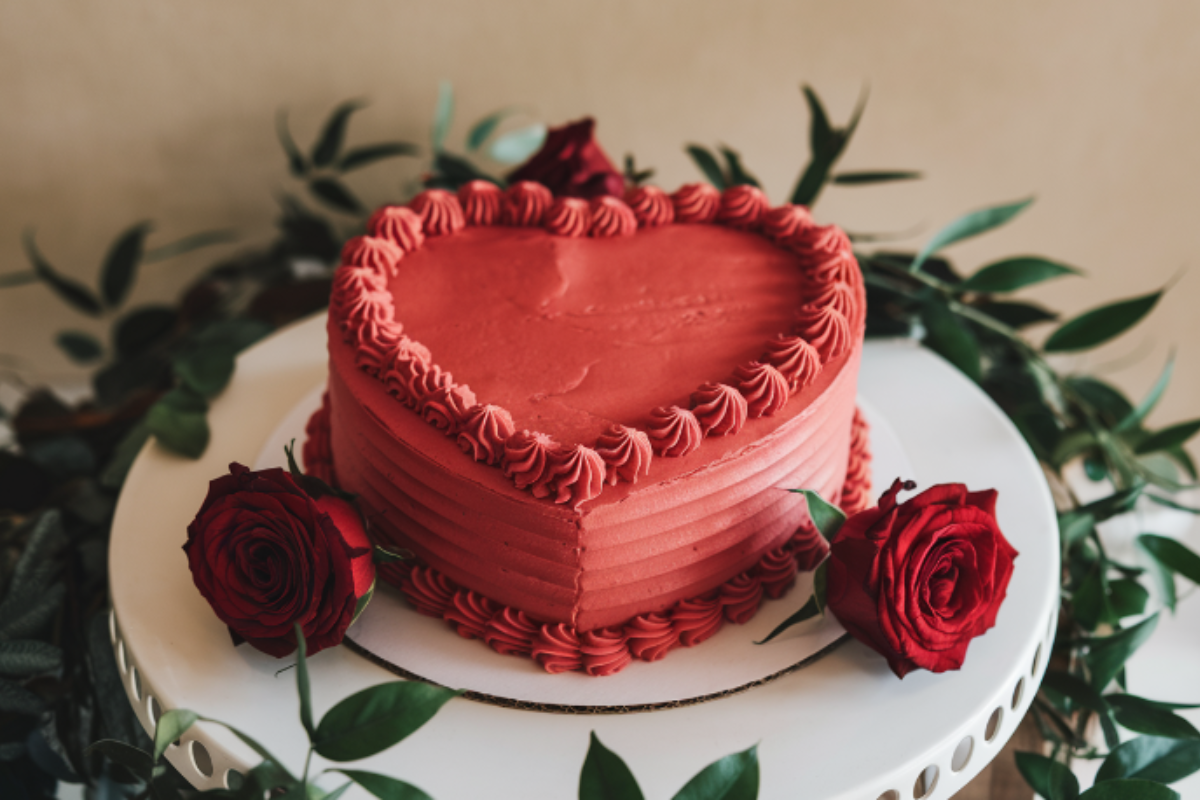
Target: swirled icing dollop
(576,474)
(374,355)
(651,636)
(426,382)
(439,211)
(818,242)
(825,328)
(484,430)
(372,252)
(480,201)
(674,431)
(651,206)
(511,632)
(525,204)
(698,619)
(742,207)
(428,590)
(856,492)
(445,408)
(696,202)
(469,613)
(720,409)
(556,648)
(764,387)
(352,288)
(841,266)
(784,223)
(611,217)
(408,360)
(371,319)
(808,546)
(626,453)
(797,360)
(741,597)
(527,461)
(837,295)
(399,225)
(318,458)
(604,651)
(568,216)
(777,571)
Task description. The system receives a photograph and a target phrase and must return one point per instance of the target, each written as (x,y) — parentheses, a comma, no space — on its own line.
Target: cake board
(842,727)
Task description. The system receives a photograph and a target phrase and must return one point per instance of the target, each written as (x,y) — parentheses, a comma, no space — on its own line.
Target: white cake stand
(843,727)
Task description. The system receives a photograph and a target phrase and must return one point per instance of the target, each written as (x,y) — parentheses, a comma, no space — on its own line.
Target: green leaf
(384,787)
(485,127)
(827,517)
(443,115)
(206,371)
(80,347)
(24,658)
(1081,692)
(187,244)
(334,194)
(1173,555)
(363,602)
(119,271)
(517,146)
(178,420)
(1142,716)
(738,176)
(297,163)
(1129,790)
(1164,576)
(327,147)
(947,336)
(171,725)
(1099,325)
(876,176)
(969,225)
(338,792)
(826,144)
(1101,396)
(809,610)
(1135,416)
(821,136)
(142,328)
(1074,527)
(376,718)
(369,154)
(707,163)
(605,776)
(1153,759)
(1168,437)
(1015,273)
(1106,657)
(1016,315)
(134,759)
(70,290)
(1049,778)
(1128,597)
(734,777)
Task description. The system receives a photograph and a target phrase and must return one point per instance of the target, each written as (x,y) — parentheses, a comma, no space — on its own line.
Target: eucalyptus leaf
(171,725)
(969,225)
(1152,758)
(1016,315)
(385,787)
(517,146)
(1081,692)
(485,127)
(1164,577)
(738,176)
(1137,714)
(297,163)
(334,194)
(25,658)
(134,759)
(1168,437)
(827,517)
(80,347)
(453,171)
(376,718)
(1173,555)
(1074,527)
(1099,325)
(443,115)
(205,371)
(1012,274)
(1049,778)
(178,420)
(605,776)
(369,154)
(1101,396)
(142,328)
(70,290)
(707,163)
(876,176)
(188,244)
(734,777)
(327,147)
(303,687)
(1125,789)
(1136,415)
(119,271)
(947,336)
(1106,657)
(826,145)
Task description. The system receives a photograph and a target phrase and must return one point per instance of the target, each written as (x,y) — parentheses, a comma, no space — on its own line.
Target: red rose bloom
(571,164)
(266,556)
(917,581)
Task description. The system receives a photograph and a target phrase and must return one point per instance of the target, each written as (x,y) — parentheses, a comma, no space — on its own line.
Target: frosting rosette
(917,581)
(268,556)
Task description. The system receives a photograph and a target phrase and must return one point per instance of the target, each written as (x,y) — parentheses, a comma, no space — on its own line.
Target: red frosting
(445,408)
(741,597)
(525,204)
(797,360)
(818,243)
(480,201)
(556,648)
(626,453)
(577,474)
(742,207)
(375,353)
(372,252)
(399,225)
(697,619)
(651,636)
(611,217)
(825,328)
(786,222)
(674,431)
(469,613)
(318,460)
(856,492)
(605,651)
(439,211)
(511,632)
(651,206)
(429,591)
(527,461)
(484,430)
(569,216)
(720,409)
(763,386)
(809,547)
(777,570)
(696,202)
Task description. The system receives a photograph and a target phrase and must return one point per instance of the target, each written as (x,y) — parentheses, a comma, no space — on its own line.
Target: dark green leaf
(877,176)
(297,163)
(376,718)
(187,244)
(178,420)
(1101,396)
(1164,576)
(1072,445)
(1152,758)
(809,610)
(969,225)
(369,154)
(1135,416)
(114,383)
(947,336)
(1090,604)
(134,759)
(335,194)
(1106,657)
(1049,778)
(329,145)
(80,347)
(1074,527)
(738,176)
(517,146)
(826,145)
(443,115)
(363,602)
(205,371)
(1083,694)
(142,328)
(1129,790)
(1143,716)
(734,777)
(827,517)
(1173,555)
(485,127)
(1097,326)
(20,278)
(1128,597)
(234,335)
(303,687)
(338,792)
(70,290)
(119,272)
(1016,273)
(16,699)
(1184,460)
(171,725)
(821,136)
(383,787)
(1113,504)
(707,163)
(1168,437)
(605,776)
(1016,315)
(452,172)
(24,658)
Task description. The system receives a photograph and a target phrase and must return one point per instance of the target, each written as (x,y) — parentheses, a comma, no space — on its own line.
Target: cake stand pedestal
(843,727)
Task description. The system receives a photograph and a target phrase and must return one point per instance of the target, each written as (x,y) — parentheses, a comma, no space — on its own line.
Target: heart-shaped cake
(583,417)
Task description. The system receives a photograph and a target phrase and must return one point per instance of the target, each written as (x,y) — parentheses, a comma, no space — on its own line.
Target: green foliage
(376,718)
(970,225)
(517,146)
(1095,327)
(1049,778)
(826,144)
(1012,274)
(179,421)
(605,776)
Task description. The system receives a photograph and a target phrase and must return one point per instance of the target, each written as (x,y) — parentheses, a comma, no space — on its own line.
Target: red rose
(266,556)
(918,581)
(571,164)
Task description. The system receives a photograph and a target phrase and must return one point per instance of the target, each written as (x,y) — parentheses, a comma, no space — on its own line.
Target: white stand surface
(842,727)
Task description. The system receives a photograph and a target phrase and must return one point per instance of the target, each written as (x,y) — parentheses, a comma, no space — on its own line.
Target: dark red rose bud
(571,164)
(267,556)
(917,581)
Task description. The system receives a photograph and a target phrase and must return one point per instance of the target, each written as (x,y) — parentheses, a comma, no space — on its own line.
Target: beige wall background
(131,109)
